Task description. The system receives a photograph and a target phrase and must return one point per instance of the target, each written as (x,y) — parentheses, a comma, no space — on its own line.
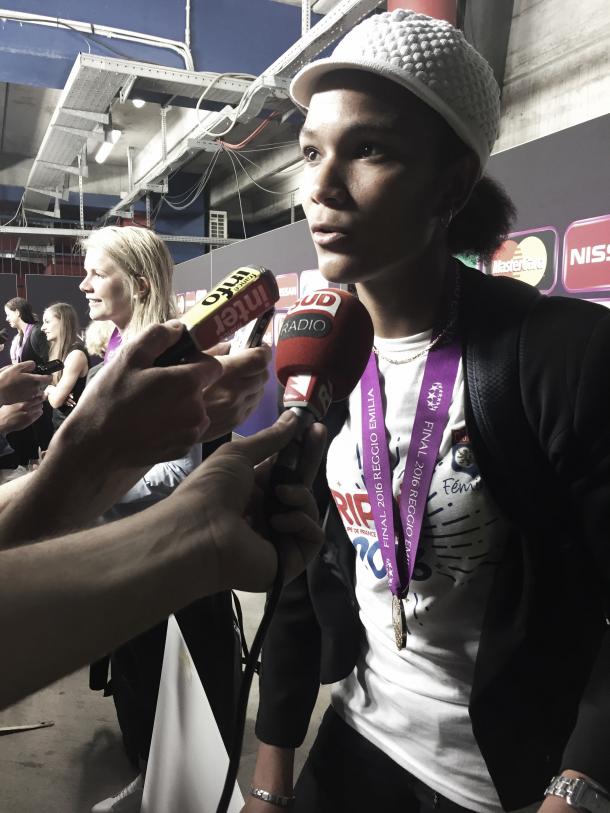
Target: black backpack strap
(503,441)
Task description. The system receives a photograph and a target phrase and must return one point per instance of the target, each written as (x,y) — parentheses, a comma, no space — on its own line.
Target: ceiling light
(138,102)
(112,136)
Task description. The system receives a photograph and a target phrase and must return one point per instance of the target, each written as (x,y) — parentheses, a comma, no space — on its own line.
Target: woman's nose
(327,185)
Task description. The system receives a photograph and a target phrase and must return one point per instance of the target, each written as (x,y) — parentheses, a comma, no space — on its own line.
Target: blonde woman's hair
(97,335)
(67,333)
(139,253)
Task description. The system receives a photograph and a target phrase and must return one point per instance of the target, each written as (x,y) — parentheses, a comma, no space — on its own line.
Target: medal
(399,622)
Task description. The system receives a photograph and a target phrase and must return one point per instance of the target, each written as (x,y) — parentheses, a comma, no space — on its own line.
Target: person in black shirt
(60,326)
(30,344)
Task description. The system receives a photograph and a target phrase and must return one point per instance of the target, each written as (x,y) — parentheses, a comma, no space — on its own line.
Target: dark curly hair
(483,223)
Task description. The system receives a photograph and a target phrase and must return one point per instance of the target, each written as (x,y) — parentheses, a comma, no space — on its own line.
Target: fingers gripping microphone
(244,295)
(322,351)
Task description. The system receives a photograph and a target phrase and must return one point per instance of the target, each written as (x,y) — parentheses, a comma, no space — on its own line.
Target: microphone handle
(285,470)
(178,351)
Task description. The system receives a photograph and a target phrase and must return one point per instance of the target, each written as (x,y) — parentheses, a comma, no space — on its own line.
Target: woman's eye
(310,153)
(367,150)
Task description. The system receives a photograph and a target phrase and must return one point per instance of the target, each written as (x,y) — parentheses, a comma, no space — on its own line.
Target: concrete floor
(68,767)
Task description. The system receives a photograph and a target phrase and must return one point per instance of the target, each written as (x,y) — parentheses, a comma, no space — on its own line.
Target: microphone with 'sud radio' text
(322,351)
(246,294)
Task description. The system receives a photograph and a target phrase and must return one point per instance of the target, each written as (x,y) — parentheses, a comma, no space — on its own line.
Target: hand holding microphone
(224,495)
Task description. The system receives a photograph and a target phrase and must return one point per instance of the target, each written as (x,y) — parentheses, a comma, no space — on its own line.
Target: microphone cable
(246,684)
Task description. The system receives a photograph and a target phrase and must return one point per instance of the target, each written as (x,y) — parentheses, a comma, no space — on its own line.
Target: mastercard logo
(526,261)
(529,257)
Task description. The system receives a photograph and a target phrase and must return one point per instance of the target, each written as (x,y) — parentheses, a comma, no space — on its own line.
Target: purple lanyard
(430,419)
(114,342)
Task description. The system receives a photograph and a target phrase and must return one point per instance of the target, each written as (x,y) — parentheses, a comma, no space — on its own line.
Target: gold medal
(399,622)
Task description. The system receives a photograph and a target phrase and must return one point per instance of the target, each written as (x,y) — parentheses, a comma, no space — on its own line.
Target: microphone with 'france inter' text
(247,293)
(322,351)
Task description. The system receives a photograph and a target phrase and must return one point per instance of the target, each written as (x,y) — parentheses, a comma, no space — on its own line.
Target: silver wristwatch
(581,793)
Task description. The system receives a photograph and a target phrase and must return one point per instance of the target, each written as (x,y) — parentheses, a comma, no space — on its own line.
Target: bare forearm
(98,588)
(274,769)
(13,489)
(63,495)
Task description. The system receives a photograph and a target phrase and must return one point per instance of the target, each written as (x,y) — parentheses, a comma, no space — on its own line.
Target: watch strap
(580,793)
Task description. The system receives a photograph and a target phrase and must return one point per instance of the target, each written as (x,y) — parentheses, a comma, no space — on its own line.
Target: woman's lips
(329,237)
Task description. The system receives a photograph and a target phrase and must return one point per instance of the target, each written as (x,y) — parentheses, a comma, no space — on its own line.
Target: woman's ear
(460,179)
(143,287)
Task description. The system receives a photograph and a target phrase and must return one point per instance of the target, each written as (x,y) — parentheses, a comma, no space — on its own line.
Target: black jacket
(35,347)
(538,416)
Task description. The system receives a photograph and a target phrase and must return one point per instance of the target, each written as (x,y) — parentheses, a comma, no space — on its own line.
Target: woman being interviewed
(60,326)
(459,607)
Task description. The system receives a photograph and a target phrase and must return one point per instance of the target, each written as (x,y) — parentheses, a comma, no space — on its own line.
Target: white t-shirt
(413,703)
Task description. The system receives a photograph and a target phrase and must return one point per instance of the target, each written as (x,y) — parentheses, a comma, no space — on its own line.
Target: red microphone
(322,351)
(323,348)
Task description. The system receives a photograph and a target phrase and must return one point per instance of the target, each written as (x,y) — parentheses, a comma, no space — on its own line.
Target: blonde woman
(60,326)
(129,283)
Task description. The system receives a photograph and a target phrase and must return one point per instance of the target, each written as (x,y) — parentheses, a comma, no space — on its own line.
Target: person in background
(29,344)
(60,326)
(460,604)
(129,283)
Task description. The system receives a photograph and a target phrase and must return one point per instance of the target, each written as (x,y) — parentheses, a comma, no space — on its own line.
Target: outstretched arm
(79,596)
(132,416)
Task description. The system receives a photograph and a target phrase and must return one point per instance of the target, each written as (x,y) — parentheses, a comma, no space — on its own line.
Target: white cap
(427,56)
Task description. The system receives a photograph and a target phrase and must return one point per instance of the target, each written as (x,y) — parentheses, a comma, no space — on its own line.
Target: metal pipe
(305,16)
(187,30)
(104,31)
(167,238)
